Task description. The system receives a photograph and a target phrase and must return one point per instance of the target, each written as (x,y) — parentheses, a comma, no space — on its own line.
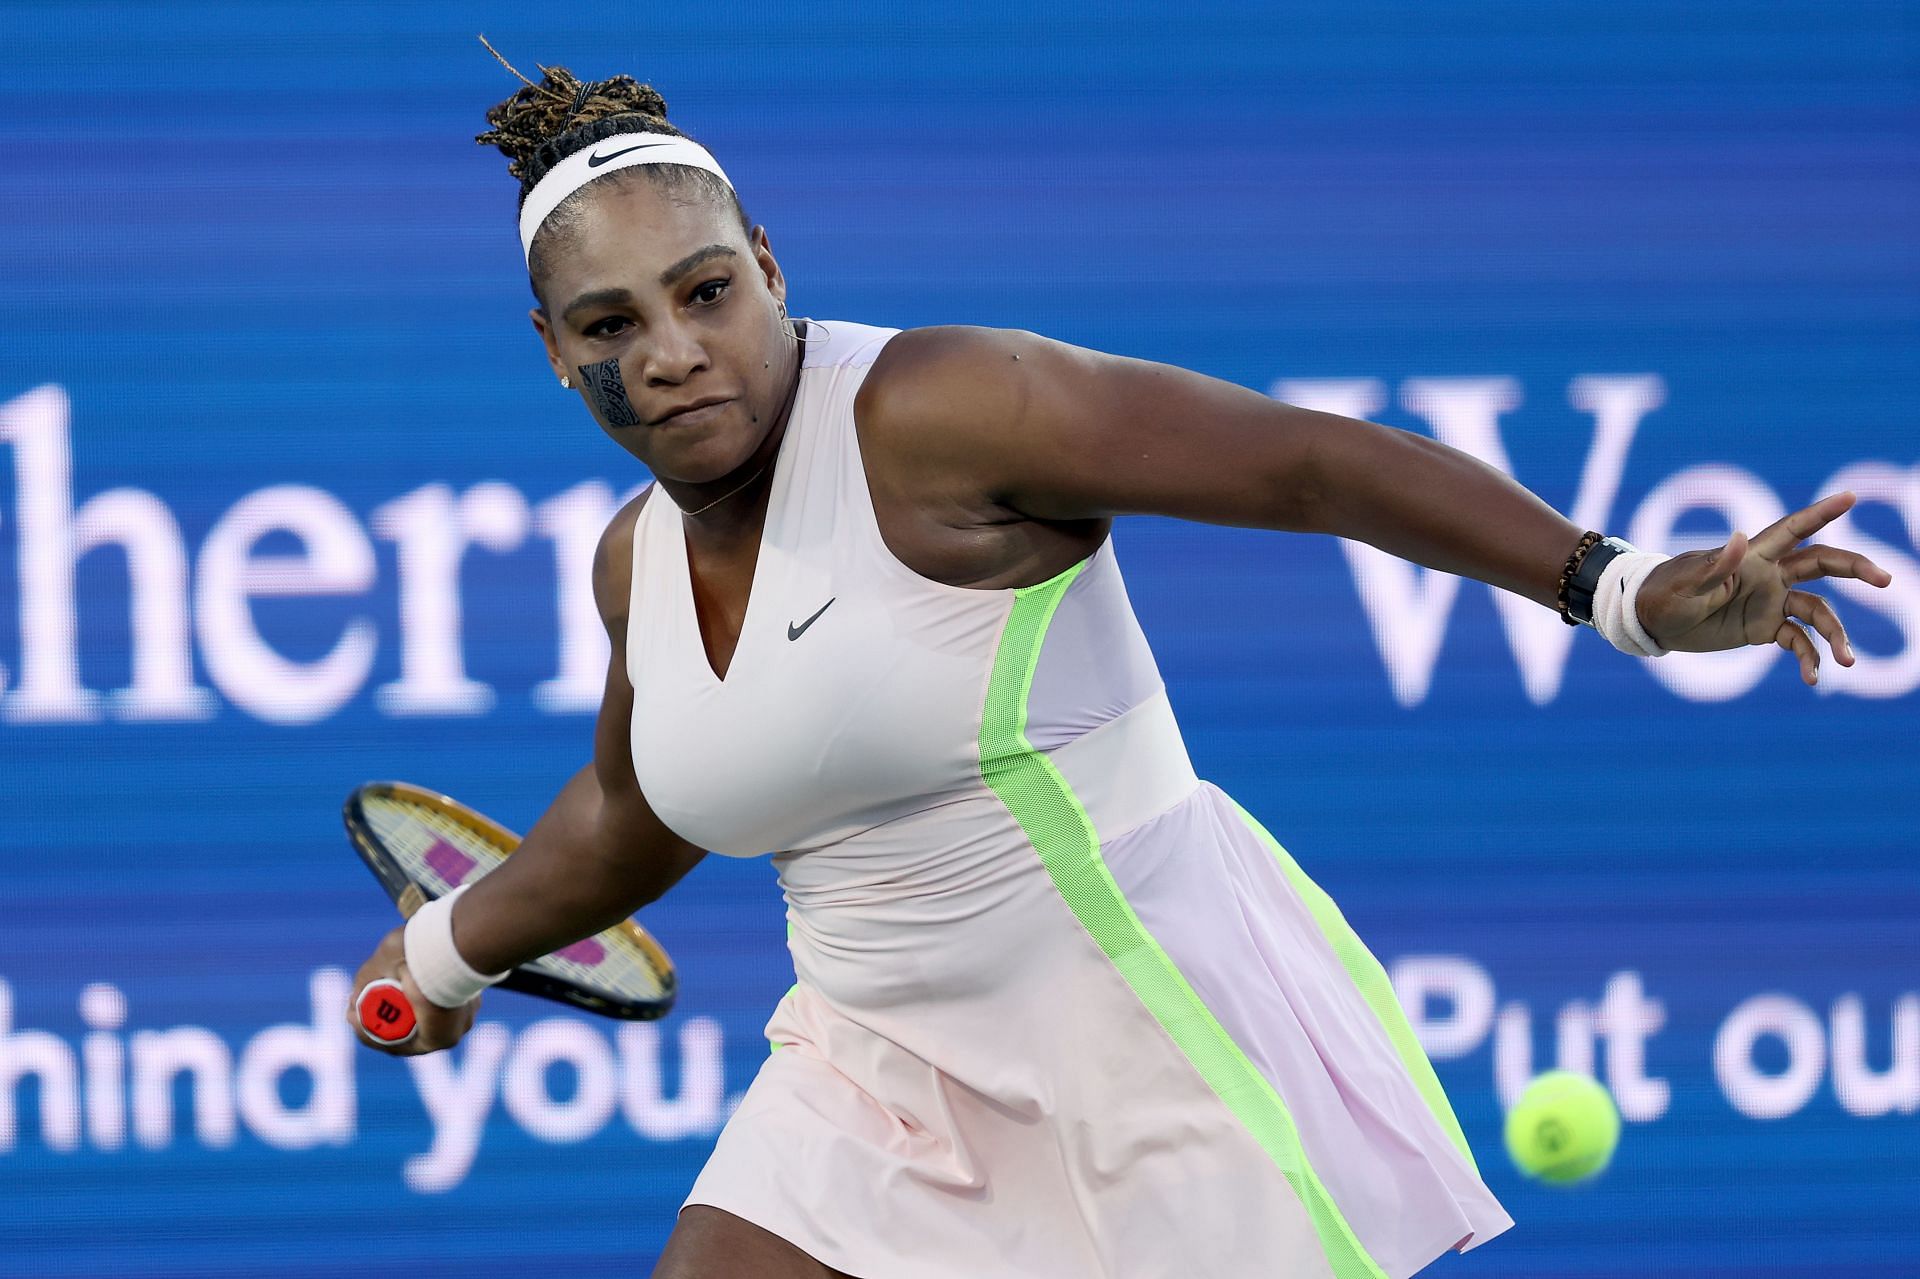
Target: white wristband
(1614,614)
(434,962)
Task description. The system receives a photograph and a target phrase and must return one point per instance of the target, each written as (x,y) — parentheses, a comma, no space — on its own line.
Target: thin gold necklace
(732,492)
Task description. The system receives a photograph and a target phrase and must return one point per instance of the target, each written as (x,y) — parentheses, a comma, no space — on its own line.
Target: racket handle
(384,1011)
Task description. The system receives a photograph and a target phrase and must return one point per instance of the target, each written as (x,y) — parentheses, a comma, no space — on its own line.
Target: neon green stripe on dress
(1374,986)
(1063,835)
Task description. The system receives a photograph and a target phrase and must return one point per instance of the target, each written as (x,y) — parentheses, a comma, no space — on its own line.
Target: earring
(566,381)
(812,324)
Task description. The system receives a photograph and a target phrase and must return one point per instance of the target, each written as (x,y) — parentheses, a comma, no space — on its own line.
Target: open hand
(1743,593)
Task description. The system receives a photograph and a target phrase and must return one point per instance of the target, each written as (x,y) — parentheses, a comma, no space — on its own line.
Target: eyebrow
(694,259)
(601,297)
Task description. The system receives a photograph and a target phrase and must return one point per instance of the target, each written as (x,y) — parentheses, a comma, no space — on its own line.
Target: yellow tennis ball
(1563,1129)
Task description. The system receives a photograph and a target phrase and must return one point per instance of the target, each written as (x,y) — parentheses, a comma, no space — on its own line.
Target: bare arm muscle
(1057,433)
(599,852)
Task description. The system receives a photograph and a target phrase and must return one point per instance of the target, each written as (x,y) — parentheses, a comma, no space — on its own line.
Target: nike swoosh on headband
(583,166)
(595,161)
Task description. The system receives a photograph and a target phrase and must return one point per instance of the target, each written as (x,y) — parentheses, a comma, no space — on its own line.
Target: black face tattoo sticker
(609,394)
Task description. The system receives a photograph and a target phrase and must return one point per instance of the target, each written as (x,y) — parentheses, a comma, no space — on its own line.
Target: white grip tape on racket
(434,963)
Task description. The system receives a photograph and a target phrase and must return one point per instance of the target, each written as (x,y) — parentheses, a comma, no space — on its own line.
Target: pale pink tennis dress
(1062,1009)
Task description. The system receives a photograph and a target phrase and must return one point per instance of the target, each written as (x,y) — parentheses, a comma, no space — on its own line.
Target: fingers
(436,1027)
(1810,562)
(432,1035)
(1795,641)
(1817,613)
(1787,532)
(1718,569)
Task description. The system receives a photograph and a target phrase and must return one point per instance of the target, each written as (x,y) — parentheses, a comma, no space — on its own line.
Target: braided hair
(542,124)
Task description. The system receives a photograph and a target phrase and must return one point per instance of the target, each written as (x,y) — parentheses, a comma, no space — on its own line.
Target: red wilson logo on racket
(385,1012)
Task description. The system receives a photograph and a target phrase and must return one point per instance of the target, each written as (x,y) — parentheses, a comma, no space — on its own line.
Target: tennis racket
(421,845)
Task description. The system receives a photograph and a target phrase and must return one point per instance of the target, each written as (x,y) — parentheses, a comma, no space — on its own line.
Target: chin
(700,458)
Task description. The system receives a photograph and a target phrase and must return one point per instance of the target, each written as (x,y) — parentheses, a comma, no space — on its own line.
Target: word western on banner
(1408,608)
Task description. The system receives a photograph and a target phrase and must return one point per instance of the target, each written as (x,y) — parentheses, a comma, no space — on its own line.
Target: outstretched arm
(1054,432)
(1058,432)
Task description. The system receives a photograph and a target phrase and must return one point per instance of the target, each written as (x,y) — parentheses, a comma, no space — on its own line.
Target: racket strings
(611,961)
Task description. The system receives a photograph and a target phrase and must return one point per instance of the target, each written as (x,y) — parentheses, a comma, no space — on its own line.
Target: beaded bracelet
(1588,540)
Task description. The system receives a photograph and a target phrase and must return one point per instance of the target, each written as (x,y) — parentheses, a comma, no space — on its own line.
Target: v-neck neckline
(691,628)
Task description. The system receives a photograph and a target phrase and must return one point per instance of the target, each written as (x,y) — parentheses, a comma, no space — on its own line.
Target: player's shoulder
(925,376)
(915,357)
(613,561)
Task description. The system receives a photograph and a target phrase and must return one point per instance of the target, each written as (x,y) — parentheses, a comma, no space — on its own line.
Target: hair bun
(526,125)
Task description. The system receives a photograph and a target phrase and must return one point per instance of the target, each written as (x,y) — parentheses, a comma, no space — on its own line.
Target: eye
(711,291)
(598,328)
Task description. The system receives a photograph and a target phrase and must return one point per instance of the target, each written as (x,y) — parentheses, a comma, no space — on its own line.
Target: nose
(674,355)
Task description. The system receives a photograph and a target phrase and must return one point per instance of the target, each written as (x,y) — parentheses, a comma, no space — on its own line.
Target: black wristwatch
(1586,578)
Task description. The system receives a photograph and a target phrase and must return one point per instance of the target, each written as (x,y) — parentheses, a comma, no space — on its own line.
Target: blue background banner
(288,501)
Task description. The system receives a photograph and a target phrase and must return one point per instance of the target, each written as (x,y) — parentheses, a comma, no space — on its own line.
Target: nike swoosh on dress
(795,632)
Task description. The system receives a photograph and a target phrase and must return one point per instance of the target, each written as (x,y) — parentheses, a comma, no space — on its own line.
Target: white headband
(603,157)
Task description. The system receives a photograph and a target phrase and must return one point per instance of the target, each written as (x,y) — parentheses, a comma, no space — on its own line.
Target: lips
(689,412)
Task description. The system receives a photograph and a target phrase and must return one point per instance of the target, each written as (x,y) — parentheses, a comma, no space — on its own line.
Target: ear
(545,329)
(770,269)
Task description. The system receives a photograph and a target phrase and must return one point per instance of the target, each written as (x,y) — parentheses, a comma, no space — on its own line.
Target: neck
(734,507)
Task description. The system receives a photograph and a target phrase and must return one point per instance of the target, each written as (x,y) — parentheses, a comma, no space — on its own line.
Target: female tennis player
(1062,1008)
